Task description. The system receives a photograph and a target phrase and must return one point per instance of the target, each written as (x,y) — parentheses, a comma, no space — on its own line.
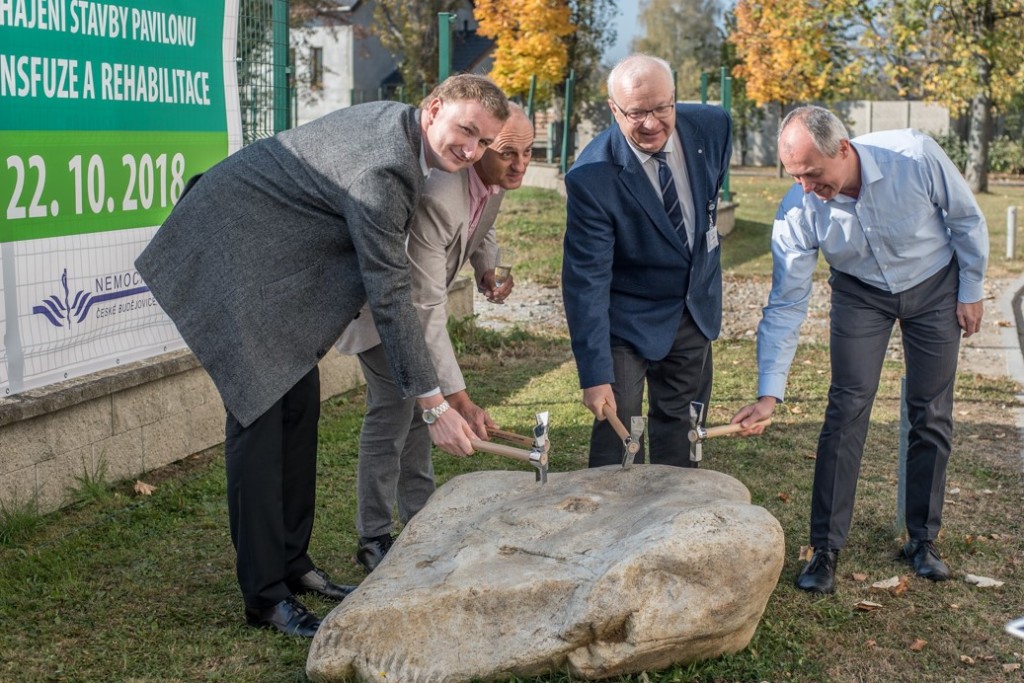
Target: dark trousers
(271,485)
(862,318)
(684,375)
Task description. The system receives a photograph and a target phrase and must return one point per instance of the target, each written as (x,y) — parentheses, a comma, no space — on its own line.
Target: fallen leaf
(954,492)
(995,537)
(806,553)
(143,489)
(811,456)
(897,585)
(1004,323)
(870,643)
(867,606)
(983,581)
(796,409)
(918,645)
(954,606)
(1010,668)
(784,497)
(858,576)
(969,661)
(887,584)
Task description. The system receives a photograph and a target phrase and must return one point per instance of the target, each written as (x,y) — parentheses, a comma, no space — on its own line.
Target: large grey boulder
(600,572)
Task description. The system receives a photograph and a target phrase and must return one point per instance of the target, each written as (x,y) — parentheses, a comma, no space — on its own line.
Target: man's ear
(844,149)
(433,107)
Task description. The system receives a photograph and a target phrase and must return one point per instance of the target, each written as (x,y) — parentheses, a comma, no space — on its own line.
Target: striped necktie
(669,195)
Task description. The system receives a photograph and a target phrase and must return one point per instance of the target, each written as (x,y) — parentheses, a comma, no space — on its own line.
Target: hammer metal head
(631,444)
(697,433)
(539,450)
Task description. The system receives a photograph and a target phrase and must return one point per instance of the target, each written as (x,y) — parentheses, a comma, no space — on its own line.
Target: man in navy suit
(642,277)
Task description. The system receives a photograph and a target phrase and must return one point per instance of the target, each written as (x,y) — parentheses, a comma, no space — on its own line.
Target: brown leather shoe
(819,576)
(316,581)
(925,559)
(288,616)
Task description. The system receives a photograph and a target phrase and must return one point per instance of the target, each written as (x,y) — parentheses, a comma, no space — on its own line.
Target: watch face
(429,417)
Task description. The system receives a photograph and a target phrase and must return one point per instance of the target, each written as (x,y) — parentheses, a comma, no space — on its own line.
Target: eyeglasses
(661,112)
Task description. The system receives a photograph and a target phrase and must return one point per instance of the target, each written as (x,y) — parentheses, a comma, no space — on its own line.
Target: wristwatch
(430,415)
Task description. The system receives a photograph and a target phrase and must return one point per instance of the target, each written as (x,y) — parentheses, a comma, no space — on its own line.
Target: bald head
(642,95)
(505,160)
(815,150)
(637,70)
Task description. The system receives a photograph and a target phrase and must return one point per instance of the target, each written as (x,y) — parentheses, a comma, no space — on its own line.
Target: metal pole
(444,45)
(569,82)
(279,19)
(900,523)
(1011,232)
(529,98)
(727,105)
(704,88)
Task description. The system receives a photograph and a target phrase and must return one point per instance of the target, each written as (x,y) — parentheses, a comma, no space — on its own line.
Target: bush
(955,148)
(1006,155)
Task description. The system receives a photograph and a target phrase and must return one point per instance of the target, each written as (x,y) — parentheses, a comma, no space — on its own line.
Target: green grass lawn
(123,587)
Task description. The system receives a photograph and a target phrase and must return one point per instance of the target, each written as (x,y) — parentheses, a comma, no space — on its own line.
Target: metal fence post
(1011,232)
(727,106)
(900,523)
(567,123)
(444,44)
(279,17)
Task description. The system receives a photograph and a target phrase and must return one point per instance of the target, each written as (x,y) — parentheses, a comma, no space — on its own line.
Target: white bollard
(1011,231)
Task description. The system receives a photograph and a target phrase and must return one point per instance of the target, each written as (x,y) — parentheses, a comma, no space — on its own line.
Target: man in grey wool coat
(263,263)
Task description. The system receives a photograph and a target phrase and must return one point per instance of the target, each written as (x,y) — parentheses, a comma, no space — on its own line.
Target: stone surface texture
(600,572)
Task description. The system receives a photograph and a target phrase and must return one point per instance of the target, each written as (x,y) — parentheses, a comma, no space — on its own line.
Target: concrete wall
(129,419)
(860,116)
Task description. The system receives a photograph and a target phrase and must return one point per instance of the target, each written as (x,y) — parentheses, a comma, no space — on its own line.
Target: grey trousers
(862,318)
(682,376)
(395,463)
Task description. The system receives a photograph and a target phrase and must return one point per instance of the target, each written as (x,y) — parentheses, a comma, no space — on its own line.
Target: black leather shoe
(925,559)
(372,550)
(288,616)
(819,576)
(316,581)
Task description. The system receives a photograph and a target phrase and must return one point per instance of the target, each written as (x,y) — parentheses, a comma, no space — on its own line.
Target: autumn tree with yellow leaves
(965,54)
(795,51)
(529,40)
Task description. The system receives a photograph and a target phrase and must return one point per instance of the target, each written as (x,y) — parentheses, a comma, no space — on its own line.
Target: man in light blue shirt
(905,240)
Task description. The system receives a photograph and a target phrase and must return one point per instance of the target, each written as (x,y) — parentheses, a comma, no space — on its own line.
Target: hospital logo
(64,310)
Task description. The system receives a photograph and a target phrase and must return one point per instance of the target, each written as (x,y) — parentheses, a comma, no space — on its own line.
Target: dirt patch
(538,308)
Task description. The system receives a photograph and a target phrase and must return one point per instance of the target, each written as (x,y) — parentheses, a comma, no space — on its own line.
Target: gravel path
(539,308)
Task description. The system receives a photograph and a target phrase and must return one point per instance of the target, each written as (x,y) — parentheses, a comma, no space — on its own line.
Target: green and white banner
(106,110)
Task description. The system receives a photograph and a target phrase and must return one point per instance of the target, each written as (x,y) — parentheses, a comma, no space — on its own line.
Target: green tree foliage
(685,33)
(595,32)
(965,54)
(408,30)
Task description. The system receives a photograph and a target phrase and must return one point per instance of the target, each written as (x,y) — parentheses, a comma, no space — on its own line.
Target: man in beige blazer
(453,225)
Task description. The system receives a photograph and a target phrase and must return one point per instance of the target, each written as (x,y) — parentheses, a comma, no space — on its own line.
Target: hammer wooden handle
(733,428)
(511,436)
(507,451)
(615,422)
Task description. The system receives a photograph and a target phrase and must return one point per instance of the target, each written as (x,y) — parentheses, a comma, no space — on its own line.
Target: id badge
(712,237)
